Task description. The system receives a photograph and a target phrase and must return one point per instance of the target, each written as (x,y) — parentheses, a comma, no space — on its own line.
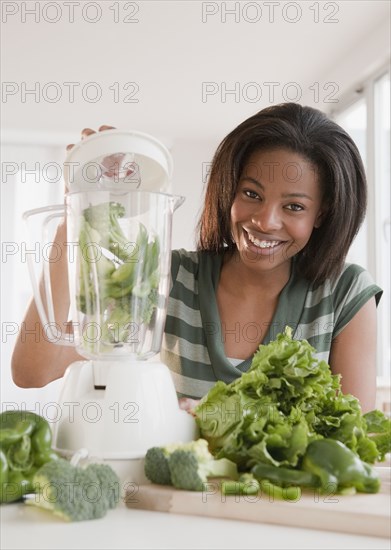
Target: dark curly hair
(310,133)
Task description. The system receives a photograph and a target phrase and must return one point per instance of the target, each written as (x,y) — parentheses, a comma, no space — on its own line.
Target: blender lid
(152,158)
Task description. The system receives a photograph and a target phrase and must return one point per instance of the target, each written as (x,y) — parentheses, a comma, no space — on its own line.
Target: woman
(285,199)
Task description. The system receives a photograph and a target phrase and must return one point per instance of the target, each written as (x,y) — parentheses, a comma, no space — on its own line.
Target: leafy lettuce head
(286,399)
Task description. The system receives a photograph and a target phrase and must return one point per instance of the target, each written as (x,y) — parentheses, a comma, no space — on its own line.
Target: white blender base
(137,409)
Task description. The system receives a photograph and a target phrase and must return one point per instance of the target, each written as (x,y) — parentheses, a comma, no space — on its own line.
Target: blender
(120,400)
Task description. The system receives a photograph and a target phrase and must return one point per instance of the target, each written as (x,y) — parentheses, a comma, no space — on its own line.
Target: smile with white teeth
(263,243)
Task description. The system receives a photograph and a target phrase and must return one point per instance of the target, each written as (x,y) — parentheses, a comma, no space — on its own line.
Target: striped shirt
(193,343)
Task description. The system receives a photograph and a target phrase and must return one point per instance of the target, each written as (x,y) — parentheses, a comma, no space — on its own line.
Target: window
(382,210)
(365,115)
(354,120)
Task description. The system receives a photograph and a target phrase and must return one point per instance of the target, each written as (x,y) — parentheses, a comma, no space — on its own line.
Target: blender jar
(120,272)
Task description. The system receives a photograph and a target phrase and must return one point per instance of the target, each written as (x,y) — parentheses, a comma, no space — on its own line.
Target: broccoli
(186,465)
(156,463)
(109,483)
(74,493)
(190,467)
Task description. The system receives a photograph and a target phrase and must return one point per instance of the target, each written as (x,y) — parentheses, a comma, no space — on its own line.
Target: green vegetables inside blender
(125,274)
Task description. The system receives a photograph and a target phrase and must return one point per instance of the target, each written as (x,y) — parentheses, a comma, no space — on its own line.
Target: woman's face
(277,205)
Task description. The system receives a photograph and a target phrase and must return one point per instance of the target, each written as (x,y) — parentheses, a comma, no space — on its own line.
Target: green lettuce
(287,399)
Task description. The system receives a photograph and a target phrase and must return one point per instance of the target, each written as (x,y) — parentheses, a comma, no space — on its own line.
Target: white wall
(364,58)
(191,162)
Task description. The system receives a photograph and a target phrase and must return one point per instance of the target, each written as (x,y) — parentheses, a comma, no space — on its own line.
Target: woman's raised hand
(113,166)
(88,132)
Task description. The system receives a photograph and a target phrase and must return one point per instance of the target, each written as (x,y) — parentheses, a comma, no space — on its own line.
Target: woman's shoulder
(189,259)
(184,265)
(353,280)
(353,274)
(188,265)
(181,254)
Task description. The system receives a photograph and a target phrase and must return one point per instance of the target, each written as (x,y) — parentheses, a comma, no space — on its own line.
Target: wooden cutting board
(364,514)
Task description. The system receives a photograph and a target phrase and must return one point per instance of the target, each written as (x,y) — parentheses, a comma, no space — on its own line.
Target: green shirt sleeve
(353,290)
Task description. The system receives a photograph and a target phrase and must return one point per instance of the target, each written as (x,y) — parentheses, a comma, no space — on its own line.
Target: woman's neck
(241,279)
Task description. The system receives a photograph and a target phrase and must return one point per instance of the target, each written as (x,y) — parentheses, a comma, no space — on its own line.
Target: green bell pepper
(284,477)
(339,468)
(25,445)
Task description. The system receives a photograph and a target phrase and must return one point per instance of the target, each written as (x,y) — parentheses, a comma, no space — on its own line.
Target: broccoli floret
(74,493)
(109,483)
(191,467)
(186,465)
(156,463)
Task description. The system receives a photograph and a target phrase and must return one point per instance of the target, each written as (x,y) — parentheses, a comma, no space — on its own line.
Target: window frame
(365,89)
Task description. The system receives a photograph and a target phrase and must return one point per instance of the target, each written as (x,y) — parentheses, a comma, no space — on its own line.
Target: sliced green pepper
(291,493)
(246,485)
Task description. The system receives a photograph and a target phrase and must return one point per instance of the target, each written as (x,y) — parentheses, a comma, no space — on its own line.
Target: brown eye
(251,194)
(295,207)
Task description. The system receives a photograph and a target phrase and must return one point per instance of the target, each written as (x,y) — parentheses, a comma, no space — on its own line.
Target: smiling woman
(285,198)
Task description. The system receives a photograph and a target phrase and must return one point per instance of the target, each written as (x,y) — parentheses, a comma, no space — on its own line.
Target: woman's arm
(353,355)
(36,361)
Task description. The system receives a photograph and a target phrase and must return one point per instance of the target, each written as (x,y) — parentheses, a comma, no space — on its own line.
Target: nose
(267,218)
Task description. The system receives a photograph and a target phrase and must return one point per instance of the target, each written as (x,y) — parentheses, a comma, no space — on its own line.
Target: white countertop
(26,527)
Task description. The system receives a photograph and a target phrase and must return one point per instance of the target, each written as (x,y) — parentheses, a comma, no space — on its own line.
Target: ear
(319,218)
